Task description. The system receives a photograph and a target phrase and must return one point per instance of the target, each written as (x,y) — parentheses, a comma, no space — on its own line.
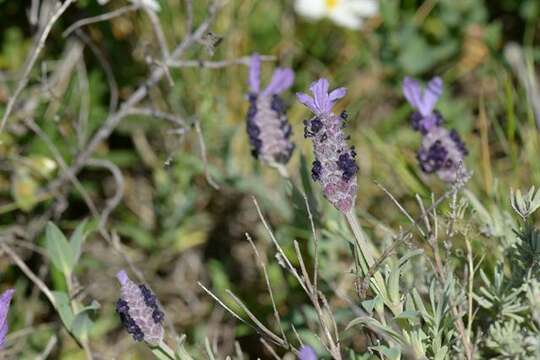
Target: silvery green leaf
(393,353)
(59,250)
(63,308)
(526,205)
(77,239)
(441,353)
(81,325)
(376,326)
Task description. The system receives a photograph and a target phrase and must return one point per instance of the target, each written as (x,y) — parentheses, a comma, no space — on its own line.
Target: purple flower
(423,101)
(139,311)
(5,300)
(268,128)
(442,152)
(334,166)
(307,353)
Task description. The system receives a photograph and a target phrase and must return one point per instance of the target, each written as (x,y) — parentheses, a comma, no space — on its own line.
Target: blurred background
(173,225)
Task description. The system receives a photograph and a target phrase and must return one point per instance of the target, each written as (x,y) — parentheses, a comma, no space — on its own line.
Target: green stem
(282,170)
(163,352)
(365,257)
(359,238)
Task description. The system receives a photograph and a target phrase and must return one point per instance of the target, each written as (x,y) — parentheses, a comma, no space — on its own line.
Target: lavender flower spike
(307,353)
(442,152)
(268,128)
(139,311)
(334,166)
(423,101)
(5,300)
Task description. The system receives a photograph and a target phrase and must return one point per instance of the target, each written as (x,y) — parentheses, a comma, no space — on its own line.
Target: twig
(233,313)
(315,242)
(29,274)
(84,112)
(216,64)
(275,339)
(270,349)
(401,208)
(103,17)
(60,160)
(31,60)
(386,253)
(109,74)
(202,147)
(268,286)
(49,348)
(114,201)
(158,31)
(115,118)
(33,13)
(174,119)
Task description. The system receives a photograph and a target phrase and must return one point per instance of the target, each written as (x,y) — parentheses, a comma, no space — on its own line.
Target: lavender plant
(334,166)
(268,127)
(442,151)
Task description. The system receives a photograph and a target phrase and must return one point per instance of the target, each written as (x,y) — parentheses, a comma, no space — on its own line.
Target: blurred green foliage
(180,230)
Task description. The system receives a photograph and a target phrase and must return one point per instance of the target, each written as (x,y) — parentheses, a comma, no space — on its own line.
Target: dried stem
(99,18)
(31,60)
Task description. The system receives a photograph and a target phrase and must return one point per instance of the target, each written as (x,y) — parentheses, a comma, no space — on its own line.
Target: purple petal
(412,92)
(337,94)
(431,95)
(307,353)
(5,300)
(254,73)
(307,101)
(320,94)
(3,333)
(281,81)
(122,277)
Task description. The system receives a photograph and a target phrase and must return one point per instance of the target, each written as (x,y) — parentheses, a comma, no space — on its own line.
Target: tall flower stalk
(334,167)
(267,124)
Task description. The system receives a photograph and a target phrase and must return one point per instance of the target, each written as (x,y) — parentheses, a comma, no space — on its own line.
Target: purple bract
(307,353)
(5,300)
(423,101)
(334,166)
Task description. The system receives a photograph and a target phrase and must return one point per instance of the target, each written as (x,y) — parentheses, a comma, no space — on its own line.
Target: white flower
(348,13)
(150,4)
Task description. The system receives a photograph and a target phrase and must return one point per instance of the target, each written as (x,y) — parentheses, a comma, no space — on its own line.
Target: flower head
(139,311)
(5,300)
(268,128)
(307,353)
(334,166)
(347,13)
(442,152)
(423,101)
